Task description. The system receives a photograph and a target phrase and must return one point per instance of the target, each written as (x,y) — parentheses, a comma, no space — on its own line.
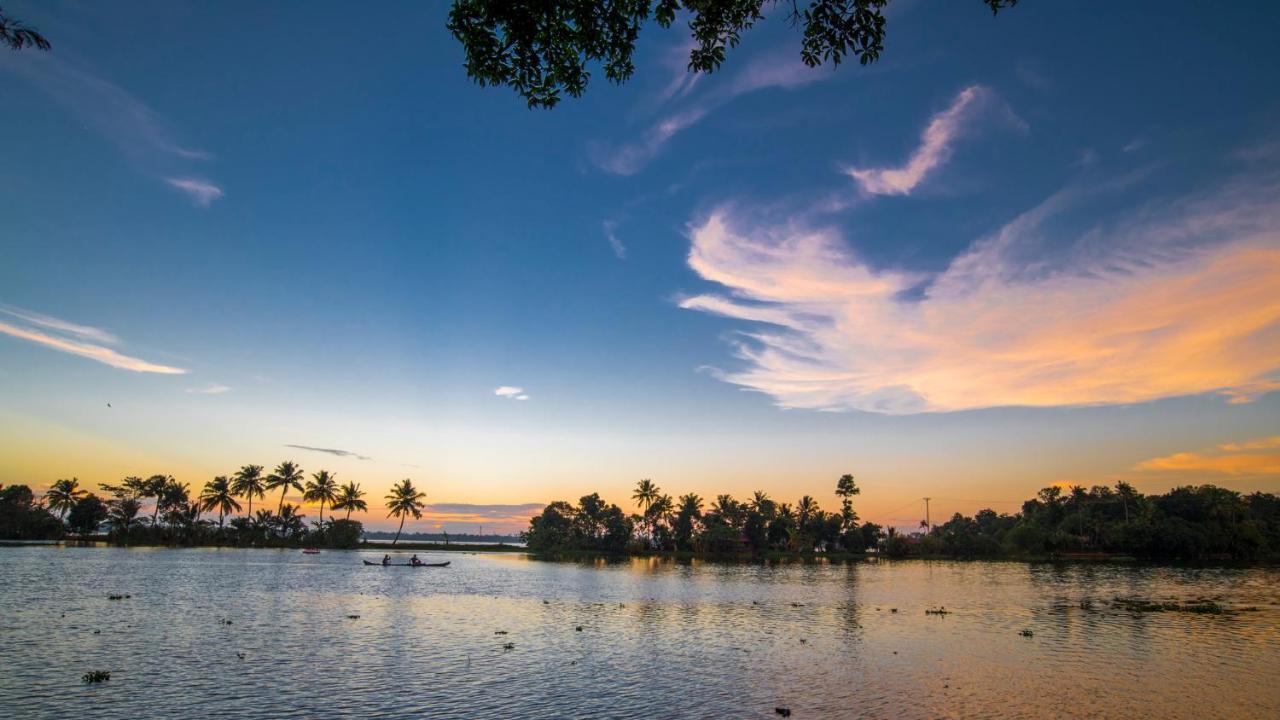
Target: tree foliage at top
(541,48)
(18,35)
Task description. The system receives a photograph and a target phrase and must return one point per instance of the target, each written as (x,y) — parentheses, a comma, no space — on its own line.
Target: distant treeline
(178,518)
(1186,523)
(1192,522)
(444,537)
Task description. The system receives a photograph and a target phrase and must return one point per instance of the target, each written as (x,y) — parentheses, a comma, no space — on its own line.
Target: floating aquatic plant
(96,676)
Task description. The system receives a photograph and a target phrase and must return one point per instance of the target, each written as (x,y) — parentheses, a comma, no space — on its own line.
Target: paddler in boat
(414,561)
(386,559)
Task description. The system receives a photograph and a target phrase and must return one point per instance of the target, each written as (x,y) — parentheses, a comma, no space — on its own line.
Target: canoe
(311,551)
(443,564)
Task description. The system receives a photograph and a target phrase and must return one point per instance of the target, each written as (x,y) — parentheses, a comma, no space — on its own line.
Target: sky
(1017,251)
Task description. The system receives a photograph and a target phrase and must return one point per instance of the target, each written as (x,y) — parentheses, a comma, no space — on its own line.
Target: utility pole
(927,525)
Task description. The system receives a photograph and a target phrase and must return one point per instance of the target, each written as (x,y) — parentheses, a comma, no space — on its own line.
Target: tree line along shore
(1202,522)
(179,518)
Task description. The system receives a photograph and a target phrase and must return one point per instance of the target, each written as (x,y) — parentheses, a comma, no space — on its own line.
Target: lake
(658,638)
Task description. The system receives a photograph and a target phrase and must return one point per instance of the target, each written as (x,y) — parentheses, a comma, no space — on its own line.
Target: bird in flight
(108,404)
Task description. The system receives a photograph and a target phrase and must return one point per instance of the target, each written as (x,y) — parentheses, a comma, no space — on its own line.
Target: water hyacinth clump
(96,676)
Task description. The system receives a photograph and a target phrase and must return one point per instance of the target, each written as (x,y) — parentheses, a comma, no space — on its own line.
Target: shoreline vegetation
(1190,523)
(177,518)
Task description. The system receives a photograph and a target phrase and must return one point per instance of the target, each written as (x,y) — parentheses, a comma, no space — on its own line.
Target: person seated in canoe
(386,559)
(414,561)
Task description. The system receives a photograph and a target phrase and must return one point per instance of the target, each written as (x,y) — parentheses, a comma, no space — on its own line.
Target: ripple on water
(658,638)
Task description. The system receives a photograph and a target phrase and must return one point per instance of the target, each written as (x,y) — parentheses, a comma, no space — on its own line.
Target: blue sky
(1018,250)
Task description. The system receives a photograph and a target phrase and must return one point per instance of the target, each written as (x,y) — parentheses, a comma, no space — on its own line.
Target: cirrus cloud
(75,339)
(1177,299)
(935,145)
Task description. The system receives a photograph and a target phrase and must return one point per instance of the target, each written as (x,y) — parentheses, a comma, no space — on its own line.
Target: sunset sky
(1031,249)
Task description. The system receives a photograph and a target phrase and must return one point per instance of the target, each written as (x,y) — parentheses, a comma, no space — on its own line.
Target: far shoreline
(840,557)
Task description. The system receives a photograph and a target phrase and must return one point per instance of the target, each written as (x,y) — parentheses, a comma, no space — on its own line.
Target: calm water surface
(658,639)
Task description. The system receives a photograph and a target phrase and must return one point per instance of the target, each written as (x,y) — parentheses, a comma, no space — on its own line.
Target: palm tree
(350,497)
(153,487)
(173,495)
(286,475)
(692,504)
(247,482)
(805,509)
(646,492)
(218,494)
(17,35)
(63,495)
(122,512)
(322,488)
(403,500)
(759,500)
(290,521)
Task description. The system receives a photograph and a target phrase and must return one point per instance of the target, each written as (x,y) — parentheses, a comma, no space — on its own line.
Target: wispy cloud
(210,389)
(510,392)
(1176,298)
(138,131)
(75,339)
(1255,457)
(52,323)
(201,192)
(611,234)
(934,149)
(768,71)
(330,451)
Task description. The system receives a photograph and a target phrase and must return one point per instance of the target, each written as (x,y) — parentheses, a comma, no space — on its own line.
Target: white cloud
(52,323)
(75,339)
(1175,299)
(201,192)
(210,389)
(934,150)
(510,392)
(140,133)
(610,233)
(768,71)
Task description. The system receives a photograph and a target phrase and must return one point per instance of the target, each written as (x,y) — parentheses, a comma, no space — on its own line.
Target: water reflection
(658,637)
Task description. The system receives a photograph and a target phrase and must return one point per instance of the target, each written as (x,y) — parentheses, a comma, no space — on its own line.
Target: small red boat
(311,551)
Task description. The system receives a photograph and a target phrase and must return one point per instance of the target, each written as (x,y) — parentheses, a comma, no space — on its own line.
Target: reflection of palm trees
(248,482)
(350,497)
(404,500)
(63,495)
(322,488)
(218,494)
(286,476)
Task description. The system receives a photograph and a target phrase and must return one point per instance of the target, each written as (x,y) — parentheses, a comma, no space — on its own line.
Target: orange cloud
(1255,457)
(1180,299)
